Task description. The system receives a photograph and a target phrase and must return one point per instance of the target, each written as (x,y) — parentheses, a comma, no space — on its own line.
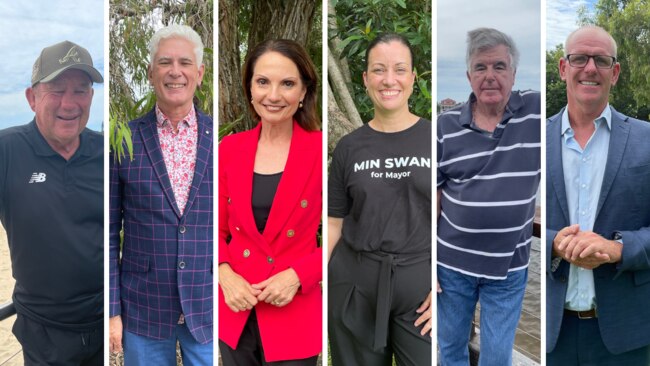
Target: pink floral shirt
(179,152)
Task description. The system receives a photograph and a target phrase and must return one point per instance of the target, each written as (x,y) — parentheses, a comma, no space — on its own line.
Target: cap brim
(94,75)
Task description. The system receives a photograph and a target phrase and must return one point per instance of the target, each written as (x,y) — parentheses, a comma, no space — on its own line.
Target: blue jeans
(501,302)
(141,351)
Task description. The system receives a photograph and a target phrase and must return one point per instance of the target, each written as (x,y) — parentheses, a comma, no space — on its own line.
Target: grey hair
(177,31)
(590,26)
(482,39)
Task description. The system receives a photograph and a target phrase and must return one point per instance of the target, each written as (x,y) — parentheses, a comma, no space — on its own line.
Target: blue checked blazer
(165,268)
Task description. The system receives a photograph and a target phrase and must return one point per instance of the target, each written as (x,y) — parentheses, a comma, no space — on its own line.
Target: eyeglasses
(601,61)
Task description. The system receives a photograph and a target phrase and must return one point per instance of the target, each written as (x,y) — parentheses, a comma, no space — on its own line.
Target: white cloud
(561,20)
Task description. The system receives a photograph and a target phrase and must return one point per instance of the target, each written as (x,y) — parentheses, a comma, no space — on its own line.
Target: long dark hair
(307,116)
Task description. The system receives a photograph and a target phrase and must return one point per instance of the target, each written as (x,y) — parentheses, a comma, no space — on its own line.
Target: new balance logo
(37,178)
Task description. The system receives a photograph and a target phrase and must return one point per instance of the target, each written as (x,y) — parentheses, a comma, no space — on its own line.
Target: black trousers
(44,345)
(371,305)
(580,344)
(249,351)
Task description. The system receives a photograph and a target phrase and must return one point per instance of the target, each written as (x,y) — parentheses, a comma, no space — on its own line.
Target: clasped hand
(585,249)
(240,295)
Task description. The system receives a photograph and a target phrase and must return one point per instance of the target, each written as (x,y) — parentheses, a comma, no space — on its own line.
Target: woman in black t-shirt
(379,223)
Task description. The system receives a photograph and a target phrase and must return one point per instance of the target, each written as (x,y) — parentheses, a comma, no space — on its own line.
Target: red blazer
(289,240)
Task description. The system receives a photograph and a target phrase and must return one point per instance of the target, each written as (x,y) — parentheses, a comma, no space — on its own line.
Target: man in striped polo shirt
(488,175)
(598,217)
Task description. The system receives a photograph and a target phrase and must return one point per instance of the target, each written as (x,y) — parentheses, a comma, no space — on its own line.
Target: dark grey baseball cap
(57,58)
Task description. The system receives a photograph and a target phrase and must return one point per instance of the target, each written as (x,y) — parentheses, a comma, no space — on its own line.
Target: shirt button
(182,229)
(291,233)
(237,228)
(584,186)
(269,259)
(583,213)
(181,264)
(303,203)
(229,200)
(247,253)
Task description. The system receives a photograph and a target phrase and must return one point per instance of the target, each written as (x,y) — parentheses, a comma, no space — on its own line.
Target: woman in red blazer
(270,184)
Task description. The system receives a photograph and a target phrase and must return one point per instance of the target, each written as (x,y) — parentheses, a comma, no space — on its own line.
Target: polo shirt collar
(42,148)
(605,115)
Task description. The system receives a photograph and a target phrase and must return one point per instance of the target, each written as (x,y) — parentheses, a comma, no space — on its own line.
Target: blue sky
(561,19)
(29,26)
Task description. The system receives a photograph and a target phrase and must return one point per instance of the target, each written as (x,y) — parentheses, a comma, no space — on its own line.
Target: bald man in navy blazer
(598,212)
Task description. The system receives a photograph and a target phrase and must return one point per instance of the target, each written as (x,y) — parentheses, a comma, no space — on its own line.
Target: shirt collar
(43,148)
(605,115)
(162,120)
(514,104)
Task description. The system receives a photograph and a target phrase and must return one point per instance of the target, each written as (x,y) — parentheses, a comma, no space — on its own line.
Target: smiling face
(175,74)
(276,88)
(62,107)
(588,87)
(389,78)
(492,76)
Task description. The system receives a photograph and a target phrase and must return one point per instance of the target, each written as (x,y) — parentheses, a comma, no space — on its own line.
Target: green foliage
(555,87)
(132,23)
(359,22)
(627,21)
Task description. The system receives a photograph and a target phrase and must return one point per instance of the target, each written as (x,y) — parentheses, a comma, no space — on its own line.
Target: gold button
(303,203)
(291,233)
(269,259)
(247,253)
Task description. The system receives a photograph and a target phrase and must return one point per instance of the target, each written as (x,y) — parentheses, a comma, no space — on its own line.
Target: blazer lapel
(152,146)
(203,149)
(243,192)
(297,170)
(617,142)
(554,161)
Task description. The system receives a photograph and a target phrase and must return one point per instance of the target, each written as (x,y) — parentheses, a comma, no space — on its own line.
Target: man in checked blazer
(161,286)
(598,228)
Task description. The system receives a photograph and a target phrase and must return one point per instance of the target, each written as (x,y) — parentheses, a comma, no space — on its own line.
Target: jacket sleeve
(310,271)
(636,250)
(114,238)
(224,231)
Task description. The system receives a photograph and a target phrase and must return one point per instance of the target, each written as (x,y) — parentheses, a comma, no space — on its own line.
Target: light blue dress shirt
(583,177)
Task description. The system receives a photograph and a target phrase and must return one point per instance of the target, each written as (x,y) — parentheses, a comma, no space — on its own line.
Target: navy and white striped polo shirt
(489,185)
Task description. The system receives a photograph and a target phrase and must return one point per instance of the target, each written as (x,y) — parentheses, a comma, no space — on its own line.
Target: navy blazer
(166,263)
(622,289)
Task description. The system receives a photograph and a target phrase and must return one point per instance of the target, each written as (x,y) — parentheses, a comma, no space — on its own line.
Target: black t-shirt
(264,188)
(53,212)
(380,184)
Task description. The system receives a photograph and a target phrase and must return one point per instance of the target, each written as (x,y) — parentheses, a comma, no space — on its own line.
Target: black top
(264,188)
(380,184)
(53,211)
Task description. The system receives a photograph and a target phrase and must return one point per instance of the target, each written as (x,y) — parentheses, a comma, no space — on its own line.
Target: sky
(561,19)
(29,26)
(518,18)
